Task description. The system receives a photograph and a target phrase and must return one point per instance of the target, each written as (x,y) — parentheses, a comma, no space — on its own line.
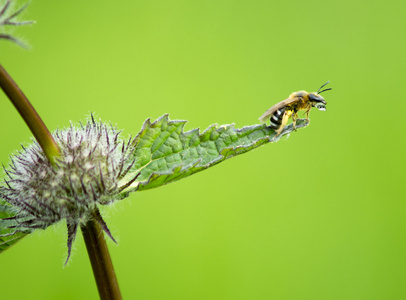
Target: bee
(280,113)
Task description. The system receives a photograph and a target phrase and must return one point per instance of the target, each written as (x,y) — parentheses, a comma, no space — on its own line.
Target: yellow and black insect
(280,113)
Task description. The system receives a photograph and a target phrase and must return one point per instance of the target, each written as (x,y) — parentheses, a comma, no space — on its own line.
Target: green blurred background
(320,215)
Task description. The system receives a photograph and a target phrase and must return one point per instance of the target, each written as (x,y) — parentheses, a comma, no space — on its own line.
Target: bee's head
(317,100)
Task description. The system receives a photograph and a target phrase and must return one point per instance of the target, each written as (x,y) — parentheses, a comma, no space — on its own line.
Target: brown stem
(30,116)
(99,256)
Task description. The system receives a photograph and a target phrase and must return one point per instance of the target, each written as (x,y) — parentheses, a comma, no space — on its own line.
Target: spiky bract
(7,20)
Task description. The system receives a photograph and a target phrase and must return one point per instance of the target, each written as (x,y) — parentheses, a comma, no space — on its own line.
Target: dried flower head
(93,160)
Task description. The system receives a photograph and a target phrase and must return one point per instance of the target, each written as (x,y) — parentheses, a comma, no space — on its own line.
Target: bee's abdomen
(276,118)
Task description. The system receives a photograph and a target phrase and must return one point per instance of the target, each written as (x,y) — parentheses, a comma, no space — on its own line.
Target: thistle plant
(66,175)
(97,167)
(92,161)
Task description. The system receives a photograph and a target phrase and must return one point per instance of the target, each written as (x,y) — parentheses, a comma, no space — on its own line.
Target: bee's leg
(285,120)
(307,113)
(294,118)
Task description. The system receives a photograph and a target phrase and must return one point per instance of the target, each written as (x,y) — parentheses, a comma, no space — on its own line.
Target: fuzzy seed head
(92,161)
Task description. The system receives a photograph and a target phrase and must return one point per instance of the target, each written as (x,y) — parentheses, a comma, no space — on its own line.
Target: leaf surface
(8,237)
(164,153)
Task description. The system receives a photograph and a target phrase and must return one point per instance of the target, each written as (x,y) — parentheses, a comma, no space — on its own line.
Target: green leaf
(8,237)
(164,153)
(7,241)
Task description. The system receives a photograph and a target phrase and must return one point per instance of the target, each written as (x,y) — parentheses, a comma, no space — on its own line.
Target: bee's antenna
(322,87)
(324,90)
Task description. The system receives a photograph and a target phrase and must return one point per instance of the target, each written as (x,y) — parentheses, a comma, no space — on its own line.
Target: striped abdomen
(276,118)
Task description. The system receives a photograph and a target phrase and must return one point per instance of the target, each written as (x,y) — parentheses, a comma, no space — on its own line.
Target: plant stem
(99,256)
(30,116)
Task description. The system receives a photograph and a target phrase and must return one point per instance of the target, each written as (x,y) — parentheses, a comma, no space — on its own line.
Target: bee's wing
(277,106)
